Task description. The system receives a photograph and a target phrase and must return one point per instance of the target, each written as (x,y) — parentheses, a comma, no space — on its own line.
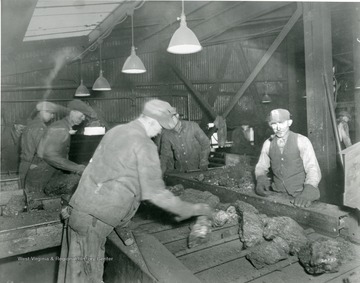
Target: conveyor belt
(222,258)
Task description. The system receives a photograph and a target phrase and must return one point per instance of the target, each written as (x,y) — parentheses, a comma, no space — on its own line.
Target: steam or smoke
(60,58)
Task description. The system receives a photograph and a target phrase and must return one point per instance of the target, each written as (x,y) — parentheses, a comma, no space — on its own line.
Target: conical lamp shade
(184,41)
(266,99)
(82,90)
(133,64)
(101,84)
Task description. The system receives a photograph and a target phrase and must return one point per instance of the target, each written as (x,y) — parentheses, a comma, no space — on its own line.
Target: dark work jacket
(187,150)
(287,167)
(30,140)
(54,147)
(241,145)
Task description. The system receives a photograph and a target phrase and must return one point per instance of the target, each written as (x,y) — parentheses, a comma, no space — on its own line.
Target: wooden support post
(260,110)
(264,60)
(318,62)
(356,46)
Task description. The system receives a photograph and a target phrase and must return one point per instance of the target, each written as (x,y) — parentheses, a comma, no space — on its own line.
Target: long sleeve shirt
(307,154)
(185,150)
(54,147)
(124,170)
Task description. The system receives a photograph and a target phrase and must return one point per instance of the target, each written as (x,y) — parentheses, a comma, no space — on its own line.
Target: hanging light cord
(132,28)
(81,78)
(94,45)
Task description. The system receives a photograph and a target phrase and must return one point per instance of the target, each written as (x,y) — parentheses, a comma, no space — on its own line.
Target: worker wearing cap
(292,160)
(124,170)
(184,148)
(51,170)
(343,118)
(32,135)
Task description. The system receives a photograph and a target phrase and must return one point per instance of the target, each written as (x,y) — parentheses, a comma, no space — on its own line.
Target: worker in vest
(35,129)
(184,148)
(51,171)
(292,160)
(124,170)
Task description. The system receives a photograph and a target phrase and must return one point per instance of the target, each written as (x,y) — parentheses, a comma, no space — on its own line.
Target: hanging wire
(132,28)
(95,44)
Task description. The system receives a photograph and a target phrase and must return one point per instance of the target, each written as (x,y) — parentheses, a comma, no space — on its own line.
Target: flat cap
(278,116)
(47,106)
(344,114)
(82,107)
(161,111)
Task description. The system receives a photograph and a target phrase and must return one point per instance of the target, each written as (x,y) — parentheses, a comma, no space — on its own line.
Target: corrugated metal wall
(129,92)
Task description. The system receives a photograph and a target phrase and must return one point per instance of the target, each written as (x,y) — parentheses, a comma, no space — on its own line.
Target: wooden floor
(222,259)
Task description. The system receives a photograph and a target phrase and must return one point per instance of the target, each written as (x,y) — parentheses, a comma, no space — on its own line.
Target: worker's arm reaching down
(153,188)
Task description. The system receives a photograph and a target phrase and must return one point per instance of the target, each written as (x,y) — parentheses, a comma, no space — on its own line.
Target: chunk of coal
(286,228)
(242,206)
(268,253)
(233,216)
(220,217)
(177,190)
(251,229)
(321,256)
(200,231)
(196,196)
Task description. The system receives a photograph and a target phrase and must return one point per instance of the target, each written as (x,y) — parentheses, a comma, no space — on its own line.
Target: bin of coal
(269,252)
(286,228)
(196,196)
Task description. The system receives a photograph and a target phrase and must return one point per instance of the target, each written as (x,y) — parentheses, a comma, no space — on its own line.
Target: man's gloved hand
(194,210)
(262,186)
(65,212)
(307,196)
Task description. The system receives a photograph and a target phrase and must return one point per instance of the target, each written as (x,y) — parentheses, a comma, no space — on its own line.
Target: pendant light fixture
(101,84)
(266,98)
(184,41)
(82,90)
(133,64)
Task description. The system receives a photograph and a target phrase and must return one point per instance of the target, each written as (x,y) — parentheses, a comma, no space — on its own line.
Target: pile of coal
(287,229)
(221,217)
(177,190)
(200,231)
(269,252)
(322,256)
(238,176)
(196,196)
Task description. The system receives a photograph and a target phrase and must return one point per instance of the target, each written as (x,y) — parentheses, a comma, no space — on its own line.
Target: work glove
(307,196)
(194,210)
(262,186)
